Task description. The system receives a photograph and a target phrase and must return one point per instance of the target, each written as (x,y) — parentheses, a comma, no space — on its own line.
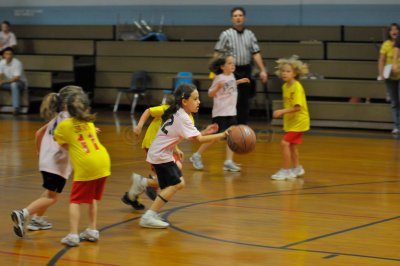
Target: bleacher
(346,56)
(54,56)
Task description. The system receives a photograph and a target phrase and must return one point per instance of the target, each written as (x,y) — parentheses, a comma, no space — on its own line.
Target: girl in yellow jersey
(91,164)
(296,119)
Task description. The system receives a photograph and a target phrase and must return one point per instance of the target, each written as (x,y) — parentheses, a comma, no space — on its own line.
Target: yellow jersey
(156,112)
(387,50)
(89,158)
(292,96)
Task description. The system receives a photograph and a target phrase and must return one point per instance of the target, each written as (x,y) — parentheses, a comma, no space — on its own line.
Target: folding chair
(138,88)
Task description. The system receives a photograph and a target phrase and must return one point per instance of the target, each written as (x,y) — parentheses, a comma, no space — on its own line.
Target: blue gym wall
(201,12)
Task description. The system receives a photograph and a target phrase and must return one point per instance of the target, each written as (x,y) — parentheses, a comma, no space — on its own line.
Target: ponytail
(78,107)
(54,103)
(50,106)
(182,92)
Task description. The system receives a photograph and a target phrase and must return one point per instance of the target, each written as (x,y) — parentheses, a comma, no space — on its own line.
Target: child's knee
(181,185)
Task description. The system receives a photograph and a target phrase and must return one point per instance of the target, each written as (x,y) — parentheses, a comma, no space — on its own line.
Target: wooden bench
(55,47)
(371,34)
(47,62)
(263,33)
(76,32)
(353,51)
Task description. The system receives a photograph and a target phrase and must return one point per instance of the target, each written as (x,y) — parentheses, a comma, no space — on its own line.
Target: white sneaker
(19,220)
(283,174)
(229,165)
(298,171)
(150,221)
(395,131)
(197,162)
(39,224)
(90,235)
(71,240)
(138,188)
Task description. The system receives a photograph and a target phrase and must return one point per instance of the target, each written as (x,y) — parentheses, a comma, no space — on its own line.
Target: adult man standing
(12,77)
(242,44)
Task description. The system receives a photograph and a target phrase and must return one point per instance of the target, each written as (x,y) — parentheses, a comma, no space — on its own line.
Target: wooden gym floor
(344,211)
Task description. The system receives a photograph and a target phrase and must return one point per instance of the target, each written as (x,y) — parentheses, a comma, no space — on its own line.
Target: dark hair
(238,8)
(53,102)
(8,49)
(79,107)
(217,62)
(390,28)
(6,22)
(182,92)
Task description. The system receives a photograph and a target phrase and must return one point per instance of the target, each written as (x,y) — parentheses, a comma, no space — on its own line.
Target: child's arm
(39,136)
(280,112)
(243,80)
(213,91)
(143,118)
(200,138)
(210,129)
(179,152)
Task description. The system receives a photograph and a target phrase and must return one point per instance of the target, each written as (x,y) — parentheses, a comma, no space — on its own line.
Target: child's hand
(180,154)
(211,129)
(278,113)
(243,80)
(98,130)
(137,131)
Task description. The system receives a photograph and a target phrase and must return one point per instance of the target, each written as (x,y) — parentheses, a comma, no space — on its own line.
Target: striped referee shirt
(241,44)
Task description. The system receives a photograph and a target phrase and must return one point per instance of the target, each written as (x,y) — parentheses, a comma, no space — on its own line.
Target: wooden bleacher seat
(55,47)
(352,51)
(76,32)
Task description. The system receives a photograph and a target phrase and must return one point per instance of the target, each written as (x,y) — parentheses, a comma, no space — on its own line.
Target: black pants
(245,92)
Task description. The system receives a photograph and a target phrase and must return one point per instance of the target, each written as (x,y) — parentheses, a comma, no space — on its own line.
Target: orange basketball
(242,139)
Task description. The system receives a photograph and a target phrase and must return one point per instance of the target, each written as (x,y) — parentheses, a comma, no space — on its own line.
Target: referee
(242,44)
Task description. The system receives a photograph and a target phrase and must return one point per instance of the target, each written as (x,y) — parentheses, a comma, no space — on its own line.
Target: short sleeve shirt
(89,158)
(171,133)
(292,96)
(224,102)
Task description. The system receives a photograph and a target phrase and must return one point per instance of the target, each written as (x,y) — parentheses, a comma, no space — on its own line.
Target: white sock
(143,182)
(25,212)
(150,213)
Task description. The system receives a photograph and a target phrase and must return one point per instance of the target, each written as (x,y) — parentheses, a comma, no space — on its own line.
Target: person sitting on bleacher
(12,77)
(7,38)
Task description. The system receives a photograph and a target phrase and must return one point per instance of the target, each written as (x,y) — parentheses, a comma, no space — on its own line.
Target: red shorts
(87,191)
(293,137)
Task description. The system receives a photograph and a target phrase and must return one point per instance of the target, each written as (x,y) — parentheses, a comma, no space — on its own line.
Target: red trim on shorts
(87,191)
(293,137)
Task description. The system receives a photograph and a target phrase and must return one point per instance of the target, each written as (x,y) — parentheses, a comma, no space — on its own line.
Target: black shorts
(224,122)
(168,174)
(53,182)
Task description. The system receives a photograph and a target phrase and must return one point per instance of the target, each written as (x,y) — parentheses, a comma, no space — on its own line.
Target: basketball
(241,139)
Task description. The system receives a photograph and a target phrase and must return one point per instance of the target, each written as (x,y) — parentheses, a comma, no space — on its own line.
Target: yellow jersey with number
(295,96)
(89,158)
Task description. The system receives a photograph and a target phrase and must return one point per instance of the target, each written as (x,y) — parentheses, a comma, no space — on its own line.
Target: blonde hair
(300,68)
(79,107)
(53,102)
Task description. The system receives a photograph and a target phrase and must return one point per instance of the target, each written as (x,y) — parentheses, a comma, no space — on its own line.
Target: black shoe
(134,203)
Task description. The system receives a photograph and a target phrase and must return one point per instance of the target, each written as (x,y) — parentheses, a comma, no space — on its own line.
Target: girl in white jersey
(54,163)
(177,126)
(224,92)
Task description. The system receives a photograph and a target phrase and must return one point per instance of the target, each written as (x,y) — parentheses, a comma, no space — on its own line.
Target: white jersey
(226,98)
(53,158)
(173,131)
